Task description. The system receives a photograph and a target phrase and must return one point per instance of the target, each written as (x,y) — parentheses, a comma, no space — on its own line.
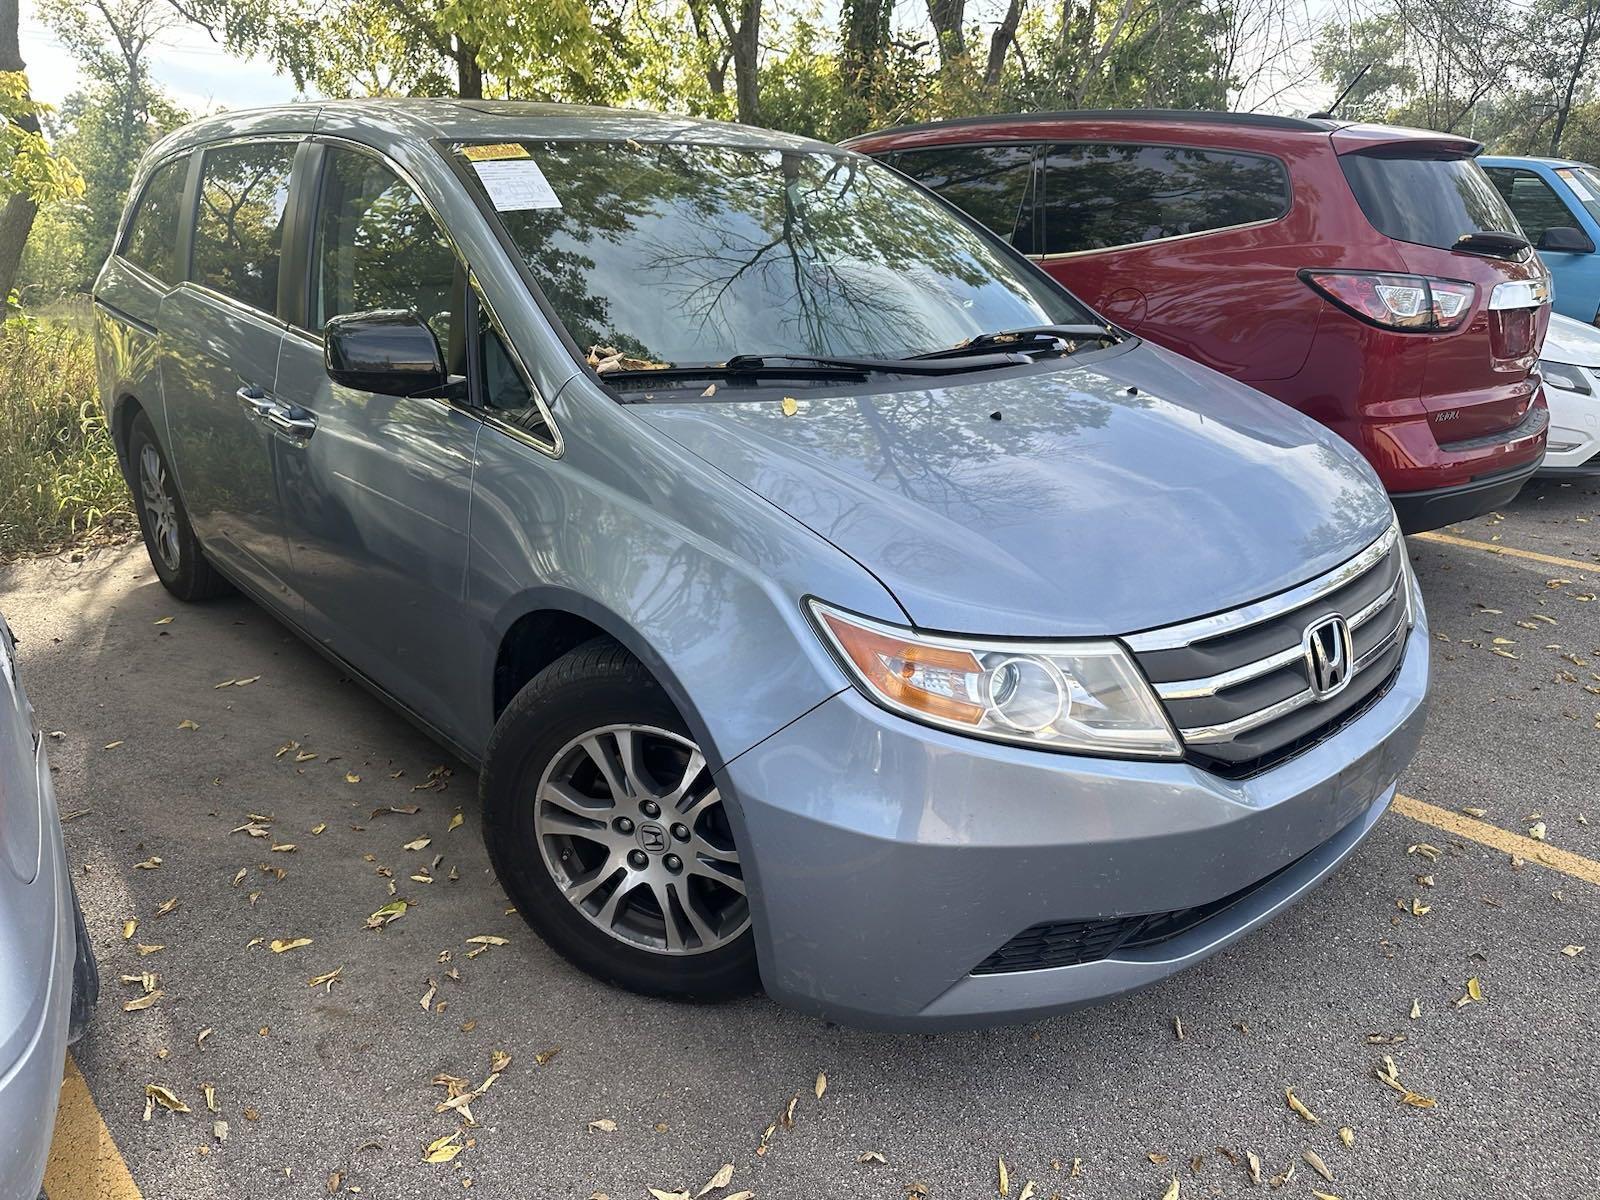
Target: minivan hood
(1103,497)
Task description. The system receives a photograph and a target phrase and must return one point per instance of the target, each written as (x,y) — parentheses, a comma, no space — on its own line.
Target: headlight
(1084,696)
(1565,377)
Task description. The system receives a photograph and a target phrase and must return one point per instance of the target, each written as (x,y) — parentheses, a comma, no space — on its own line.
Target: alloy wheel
(633,831)
(160,506)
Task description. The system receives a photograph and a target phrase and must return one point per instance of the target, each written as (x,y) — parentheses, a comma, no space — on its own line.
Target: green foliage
(59,478)
(29,168)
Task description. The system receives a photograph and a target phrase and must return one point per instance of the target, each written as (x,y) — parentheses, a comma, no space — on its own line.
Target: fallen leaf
(1253,1166)
(455,822)
(1416,1100)
(872,1156)
(129,928)
(822,1084)
(281,945)
(1005,1176)
(603,1125)
(318,828)
(163,621)
(168,907)
(721,1179)
(326,980)
(1025,1194)
(1347,1136)
(420,843)
(200,1038)
(487,940)
(392,911)
(1474,989)
(1283,1177)
(443,1150)
(113,745)
(149,864)
(1573,951)
(658,1194)
(1304,1113)
(285,848)
(790,406)
(142,1002)
(187,724)
(165,1097)
(427,996)
(1314,1161)
(499,1060)
(1172,1190)
(1416,1008)
(144,949)
(219,1130)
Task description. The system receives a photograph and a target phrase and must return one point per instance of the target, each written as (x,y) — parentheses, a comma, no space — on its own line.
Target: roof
(1150,115)
(1513,160)
(451,120)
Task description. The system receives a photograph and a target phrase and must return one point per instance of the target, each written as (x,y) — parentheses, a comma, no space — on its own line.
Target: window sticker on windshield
(497,150)
(1576,184)
(515,184)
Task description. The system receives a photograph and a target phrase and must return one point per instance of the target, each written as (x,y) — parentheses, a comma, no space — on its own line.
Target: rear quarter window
(1101,195)
(151,242)
(1431,201)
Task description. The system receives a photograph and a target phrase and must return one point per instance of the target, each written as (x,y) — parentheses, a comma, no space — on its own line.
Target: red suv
(1372,277)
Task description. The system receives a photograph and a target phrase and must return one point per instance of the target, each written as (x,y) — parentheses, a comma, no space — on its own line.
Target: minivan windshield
(688,253)
(1433,201)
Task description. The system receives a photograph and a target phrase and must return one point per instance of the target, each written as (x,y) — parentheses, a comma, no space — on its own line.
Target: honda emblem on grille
(1330,656)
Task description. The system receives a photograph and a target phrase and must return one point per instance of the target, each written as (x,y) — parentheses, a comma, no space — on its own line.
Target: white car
(1571,369)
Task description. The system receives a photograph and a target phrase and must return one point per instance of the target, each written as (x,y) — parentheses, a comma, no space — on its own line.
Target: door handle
(299,424)
(256,402)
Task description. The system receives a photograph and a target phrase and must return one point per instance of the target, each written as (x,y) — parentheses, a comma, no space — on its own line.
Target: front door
(377,488)
(219,370)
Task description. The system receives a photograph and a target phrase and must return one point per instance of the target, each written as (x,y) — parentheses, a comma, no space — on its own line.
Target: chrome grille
(1238,685)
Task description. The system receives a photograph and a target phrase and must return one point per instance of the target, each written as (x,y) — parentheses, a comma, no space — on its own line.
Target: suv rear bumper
(1437,507)
(889,861)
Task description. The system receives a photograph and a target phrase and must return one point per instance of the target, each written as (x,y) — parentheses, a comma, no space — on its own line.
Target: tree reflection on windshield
(689,253)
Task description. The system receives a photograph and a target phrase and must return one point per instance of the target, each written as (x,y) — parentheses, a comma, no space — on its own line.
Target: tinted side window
(1097,196)
(238,232)
(377,246)
(152,238)
(992,184)
(504,390)
(1532,200)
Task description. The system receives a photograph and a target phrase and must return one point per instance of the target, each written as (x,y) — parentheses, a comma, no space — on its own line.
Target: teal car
(1557,202)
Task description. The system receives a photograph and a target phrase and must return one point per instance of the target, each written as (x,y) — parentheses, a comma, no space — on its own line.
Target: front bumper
(1574,444)
(40,964)
(888,859)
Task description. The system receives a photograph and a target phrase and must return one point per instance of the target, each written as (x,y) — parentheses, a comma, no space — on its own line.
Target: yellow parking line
(85,1163)
(1503,840)
(1448,539)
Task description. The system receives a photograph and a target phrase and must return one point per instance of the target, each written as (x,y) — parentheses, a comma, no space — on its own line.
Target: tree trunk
(1000,44)
(16,219)
(948,17)
(469,75)
(863,39)
(744,45)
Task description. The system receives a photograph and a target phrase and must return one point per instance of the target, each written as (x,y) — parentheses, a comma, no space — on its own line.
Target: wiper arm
(915,365)
(691,372)
(1018,338)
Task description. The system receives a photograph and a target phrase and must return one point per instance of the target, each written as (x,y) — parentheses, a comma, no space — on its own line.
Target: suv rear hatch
(1427,195)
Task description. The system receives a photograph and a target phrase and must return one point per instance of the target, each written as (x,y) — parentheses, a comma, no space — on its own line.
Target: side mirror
(388,351)
(1564,239)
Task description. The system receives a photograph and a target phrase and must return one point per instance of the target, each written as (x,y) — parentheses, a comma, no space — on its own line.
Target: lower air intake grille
(1070,943)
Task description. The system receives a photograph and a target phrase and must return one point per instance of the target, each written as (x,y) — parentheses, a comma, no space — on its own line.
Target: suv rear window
(1097,196)
(1429,201)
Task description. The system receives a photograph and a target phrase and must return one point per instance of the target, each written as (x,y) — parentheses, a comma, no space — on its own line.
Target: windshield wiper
(689,373)
(917,364)
(1062,337)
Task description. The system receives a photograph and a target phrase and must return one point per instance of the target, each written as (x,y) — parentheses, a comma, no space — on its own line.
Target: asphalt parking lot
(279,807)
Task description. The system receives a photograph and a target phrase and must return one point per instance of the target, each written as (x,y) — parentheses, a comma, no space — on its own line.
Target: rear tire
(608,832)
(168,537)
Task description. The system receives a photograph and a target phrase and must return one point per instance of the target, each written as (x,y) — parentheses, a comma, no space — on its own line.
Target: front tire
(168,537)
(608,831)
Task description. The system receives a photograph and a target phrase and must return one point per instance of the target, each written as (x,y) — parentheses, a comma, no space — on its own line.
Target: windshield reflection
(690,253)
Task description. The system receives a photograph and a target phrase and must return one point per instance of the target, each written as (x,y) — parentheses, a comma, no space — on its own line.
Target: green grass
(60,485)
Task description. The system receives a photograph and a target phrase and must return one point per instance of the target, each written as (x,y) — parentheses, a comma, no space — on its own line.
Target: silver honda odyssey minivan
(829,600)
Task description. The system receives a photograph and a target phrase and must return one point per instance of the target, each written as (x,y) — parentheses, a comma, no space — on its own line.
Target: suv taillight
(1414,303)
